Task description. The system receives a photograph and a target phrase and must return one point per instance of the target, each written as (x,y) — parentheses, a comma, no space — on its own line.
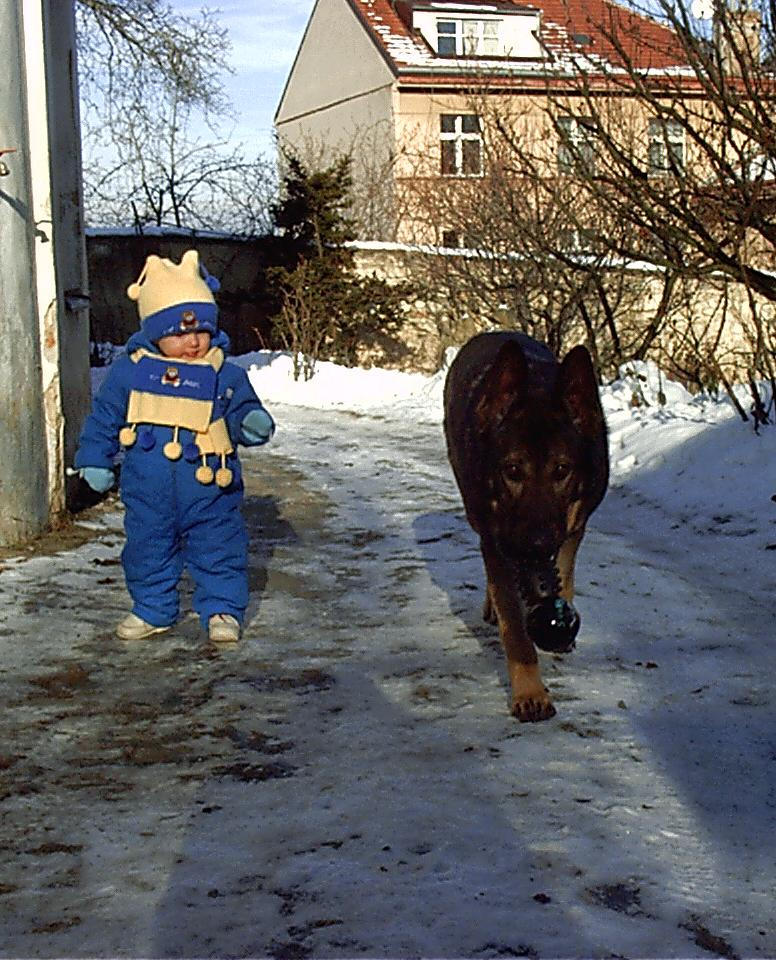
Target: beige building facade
(405,87)
(418,93)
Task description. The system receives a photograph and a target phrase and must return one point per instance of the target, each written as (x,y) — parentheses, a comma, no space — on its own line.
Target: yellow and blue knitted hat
(174,298)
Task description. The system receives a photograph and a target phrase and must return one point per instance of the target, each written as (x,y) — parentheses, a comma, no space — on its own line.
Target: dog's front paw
(531,702)
(533,709)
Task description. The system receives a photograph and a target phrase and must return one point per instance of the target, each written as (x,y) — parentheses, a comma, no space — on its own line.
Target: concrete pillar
(24,481)
(60,251)
(44,323)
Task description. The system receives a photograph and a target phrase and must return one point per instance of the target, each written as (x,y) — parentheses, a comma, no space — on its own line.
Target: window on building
(577,148)
(460,145)
(666,147)
(468,38)
(457,239)
(447,37)
(579,240)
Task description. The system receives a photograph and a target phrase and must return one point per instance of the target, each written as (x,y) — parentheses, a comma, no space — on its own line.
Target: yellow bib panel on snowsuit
(180,394)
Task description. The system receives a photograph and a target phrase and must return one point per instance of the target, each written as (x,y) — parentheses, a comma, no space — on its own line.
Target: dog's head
(543,431)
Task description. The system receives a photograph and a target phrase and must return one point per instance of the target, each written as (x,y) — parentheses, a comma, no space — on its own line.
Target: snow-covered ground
(349,782)
(690,456)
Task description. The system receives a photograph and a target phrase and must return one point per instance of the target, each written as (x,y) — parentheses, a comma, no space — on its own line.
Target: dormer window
(448,37)
(456,29)
(467,38)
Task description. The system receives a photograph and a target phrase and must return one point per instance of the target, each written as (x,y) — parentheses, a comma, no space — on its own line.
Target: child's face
(185,346)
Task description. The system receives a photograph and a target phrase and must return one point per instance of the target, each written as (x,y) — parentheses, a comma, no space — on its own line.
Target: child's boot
(133,627)
(223,628)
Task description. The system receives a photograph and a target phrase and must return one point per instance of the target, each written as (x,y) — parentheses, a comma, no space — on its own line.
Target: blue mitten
(257,426)
(100,479)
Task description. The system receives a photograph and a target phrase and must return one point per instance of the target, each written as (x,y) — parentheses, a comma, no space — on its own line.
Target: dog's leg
(567,556)
(530,699)
(489,614)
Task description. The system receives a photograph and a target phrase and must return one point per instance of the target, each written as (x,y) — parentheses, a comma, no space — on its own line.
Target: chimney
(737,27)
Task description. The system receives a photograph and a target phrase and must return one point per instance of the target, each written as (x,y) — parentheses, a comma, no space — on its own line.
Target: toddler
(179,411)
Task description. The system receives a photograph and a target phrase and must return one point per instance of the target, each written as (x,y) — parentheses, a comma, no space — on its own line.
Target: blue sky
(265,36)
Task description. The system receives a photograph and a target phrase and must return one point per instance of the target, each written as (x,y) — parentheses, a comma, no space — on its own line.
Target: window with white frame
(576,147)
(666,147)
(467,38)
(460,144)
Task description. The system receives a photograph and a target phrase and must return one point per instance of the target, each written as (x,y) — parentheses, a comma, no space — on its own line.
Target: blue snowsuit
(173,521)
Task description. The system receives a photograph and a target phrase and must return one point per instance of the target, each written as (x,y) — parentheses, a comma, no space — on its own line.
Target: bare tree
(671,168)
(522,258)
(685,158)
(179,180)
(131,50)
(147,74)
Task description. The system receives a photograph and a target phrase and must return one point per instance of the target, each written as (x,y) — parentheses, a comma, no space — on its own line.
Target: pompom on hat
(174,298)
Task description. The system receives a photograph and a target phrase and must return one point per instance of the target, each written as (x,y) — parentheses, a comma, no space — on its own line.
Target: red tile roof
(644,41)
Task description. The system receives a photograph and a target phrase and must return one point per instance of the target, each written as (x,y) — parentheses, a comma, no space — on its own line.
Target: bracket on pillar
(4,168)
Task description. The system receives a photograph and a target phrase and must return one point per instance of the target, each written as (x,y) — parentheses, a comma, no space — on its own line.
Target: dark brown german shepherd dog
(526,438)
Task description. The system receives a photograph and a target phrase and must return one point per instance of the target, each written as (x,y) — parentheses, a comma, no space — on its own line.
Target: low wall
(713,318)
(706,321)
(115,260)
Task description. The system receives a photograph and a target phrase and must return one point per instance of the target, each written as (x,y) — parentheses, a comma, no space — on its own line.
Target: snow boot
(133,627)
(223,628)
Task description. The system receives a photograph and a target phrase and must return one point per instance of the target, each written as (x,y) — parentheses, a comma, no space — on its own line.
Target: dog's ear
(578,391)
(502,384)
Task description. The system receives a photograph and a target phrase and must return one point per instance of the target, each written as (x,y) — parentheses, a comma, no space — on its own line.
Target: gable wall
(337,62)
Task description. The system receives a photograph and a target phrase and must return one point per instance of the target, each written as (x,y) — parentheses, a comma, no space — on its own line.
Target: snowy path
(349,782)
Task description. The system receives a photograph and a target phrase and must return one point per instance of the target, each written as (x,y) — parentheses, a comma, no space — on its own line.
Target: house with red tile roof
(396,81)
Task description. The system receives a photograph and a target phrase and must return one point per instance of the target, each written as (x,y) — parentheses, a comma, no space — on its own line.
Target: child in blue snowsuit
(179,411)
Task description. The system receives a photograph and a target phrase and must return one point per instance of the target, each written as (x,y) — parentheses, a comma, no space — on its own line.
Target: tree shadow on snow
(450,549)
(346,825)
(685,596)
(266,527)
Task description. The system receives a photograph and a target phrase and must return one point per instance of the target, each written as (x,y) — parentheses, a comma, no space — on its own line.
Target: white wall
(23,466)
(339,98)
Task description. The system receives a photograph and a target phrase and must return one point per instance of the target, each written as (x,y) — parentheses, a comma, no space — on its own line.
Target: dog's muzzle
(552,622)
(553,625)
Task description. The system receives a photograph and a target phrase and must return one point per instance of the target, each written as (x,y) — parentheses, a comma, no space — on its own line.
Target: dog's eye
(561,471)
(513,472)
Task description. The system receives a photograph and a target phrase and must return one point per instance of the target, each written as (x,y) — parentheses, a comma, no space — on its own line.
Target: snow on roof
(564,24)
(154,230)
